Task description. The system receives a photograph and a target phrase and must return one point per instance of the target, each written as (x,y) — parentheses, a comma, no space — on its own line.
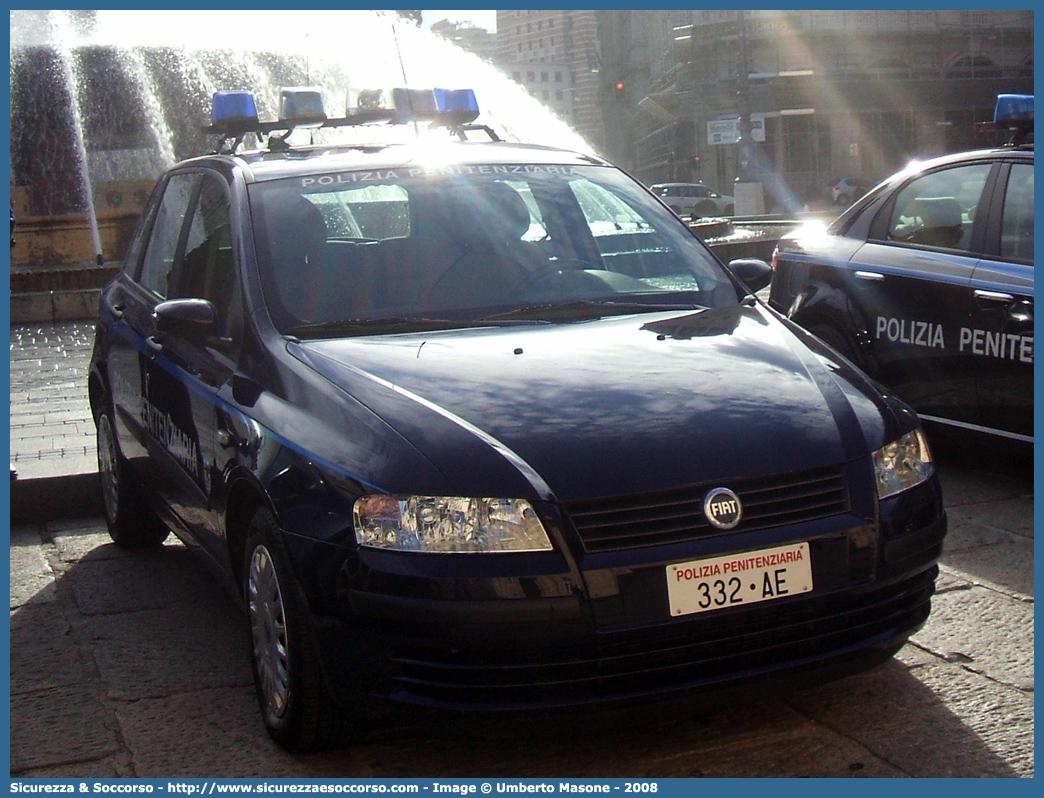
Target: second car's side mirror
(192,319)
(754,272)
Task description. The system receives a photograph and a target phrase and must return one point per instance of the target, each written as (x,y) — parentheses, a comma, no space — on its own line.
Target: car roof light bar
(234,113)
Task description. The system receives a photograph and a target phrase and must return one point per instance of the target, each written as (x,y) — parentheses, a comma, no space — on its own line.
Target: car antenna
(405,80)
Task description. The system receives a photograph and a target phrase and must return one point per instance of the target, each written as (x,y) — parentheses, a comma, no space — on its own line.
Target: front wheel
(131,523)
(836,340)
(295,705)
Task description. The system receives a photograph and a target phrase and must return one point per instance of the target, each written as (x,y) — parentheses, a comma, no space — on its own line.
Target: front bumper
(559,637)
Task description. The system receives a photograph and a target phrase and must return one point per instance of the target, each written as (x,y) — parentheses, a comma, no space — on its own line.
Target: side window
(163,246)
(938,209)
(1017,221)
(207,269)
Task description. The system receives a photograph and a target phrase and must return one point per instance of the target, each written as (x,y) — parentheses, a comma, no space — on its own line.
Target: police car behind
(927,283)
(482,426)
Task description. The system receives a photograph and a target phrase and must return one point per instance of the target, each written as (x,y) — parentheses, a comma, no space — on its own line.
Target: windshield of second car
(361,252)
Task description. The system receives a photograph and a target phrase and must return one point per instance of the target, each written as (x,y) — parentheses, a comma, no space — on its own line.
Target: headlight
(902,464)
(448,524)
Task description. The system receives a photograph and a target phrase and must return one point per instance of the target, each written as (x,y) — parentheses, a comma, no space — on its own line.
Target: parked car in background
(927,284)
(694,199)
(848,189)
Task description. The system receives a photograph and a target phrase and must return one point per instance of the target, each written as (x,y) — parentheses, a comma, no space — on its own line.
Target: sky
(483,19)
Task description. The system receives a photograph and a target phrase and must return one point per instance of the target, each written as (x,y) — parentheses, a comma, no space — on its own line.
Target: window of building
(558,77)
(531,76)
(543,77)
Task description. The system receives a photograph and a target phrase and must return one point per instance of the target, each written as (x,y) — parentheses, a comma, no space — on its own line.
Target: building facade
(531,44)
(797,99)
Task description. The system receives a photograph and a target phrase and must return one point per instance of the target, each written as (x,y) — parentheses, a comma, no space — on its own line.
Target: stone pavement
(52,432)
(135,664)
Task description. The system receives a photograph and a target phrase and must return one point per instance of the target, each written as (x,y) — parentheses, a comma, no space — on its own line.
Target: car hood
(614,406)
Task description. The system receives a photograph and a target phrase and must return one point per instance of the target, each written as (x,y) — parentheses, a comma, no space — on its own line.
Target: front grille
(698,654)
(673,516)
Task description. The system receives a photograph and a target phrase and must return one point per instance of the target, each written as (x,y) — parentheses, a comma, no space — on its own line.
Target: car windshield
(365,252)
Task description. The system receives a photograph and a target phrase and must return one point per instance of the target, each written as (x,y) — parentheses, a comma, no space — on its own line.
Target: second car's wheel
(296,706)
(705,208)
(836,340)
(131,523)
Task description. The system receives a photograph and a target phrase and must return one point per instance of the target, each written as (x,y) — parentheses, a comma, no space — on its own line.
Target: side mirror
(192,319)
(754,272)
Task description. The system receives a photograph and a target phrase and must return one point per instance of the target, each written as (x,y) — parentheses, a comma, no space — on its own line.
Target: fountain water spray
(140,85)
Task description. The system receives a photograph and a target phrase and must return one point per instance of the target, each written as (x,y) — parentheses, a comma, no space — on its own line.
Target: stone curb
(37,500)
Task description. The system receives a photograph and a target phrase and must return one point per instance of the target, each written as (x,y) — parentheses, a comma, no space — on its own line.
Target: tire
(730,210)
(835,339)
(131,523)
(705,208)
(296,707)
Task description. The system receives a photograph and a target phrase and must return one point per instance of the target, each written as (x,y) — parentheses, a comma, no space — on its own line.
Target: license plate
(735,579)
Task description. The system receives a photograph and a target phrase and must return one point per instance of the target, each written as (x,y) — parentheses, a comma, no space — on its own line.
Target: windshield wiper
(325,329)
(394,324)
(585,309)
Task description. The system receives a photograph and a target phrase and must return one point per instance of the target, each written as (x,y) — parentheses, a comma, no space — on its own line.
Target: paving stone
(934,721)
(205,733)
(109,767)
(986,632)
(59,725)
(998,518)
(815,752)
(44,654)
(1005,567)
(32,581)
(143,579)
(91,541)
(157,653)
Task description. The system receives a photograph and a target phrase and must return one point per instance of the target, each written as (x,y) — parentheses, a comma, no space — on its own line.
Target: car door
(911,282)
(193,364)
(999,333)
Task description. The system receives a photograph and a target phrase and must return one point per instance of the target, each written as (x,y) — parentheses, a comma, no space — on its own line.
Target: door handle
(993,296)
(871,276)
(155,347)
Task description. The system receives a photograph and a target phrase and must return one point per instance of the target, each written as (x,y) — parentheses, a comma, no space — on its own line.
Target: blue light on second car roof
(1013,108)
(236,107)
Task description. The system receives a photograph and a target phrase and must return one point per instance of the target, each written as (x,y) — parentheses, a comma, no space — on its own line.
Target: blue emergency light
(1013,109)
(459,103)
(302,106)
(232,108)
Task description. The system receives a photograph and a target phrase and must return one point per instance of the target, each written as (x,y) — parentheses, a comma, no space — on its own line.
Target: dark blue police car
(927,283)
(476,425)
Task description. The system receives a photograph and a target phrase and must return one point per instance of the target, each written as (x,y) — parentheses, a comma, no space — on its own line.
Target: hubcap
(268,629)
(107,467)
